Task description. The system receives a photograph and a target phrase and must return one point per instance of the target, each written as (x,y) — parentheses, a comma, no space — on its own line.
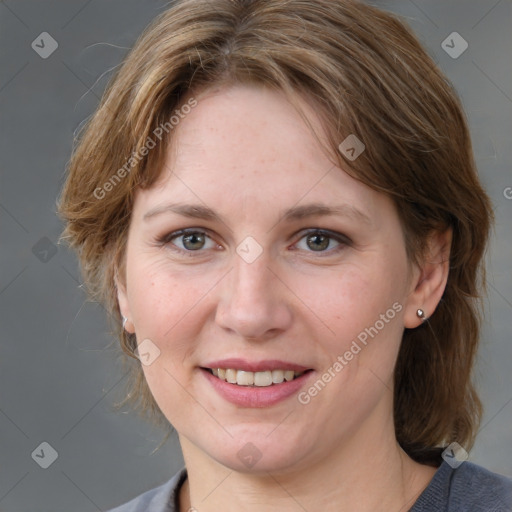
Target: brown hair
(367,75)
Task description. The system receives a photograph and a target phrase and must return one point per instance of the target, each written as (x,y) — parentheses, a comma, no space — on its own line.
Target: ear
(124,306)
(429,279)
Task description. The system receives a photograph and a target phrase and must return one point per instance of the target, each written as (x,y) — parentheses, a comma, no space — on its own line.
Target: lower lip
(249,396)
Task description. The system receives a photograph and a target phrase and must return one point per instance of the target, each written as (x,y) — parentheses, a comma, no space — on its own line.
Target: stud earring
(421,314)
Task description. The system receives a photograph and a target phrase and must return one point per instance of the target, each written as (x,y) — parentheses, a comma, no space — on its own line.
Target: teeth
(258,379)
(263,379)
(231,376)
(245,378)
(277,376)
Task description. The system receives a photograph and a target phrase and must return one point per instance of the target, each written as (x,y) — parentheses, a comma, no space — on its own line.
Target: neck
(367,473)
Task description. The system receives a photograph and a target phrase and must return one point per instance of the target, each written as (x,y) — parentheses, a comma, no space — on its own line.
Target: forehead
(250,143)
(247,129)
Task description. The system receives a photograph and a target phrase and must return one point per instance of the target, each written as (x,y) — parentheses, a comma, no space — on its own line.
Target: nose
(253,302)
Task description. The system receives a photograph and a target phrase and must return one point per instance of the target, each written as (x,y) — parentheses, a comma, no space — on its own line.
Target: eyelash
(343,240)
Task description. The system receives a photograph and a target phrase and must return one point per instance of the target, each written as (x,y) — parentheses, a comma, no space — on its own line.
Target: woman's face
(254,252)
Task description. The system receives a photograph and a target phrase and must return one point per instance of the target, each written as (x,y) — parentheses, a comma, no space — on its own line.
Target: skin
(245,153)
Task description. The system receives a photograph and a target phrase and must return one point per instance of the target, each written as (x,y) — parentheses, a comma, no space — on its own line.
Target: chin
(260,453)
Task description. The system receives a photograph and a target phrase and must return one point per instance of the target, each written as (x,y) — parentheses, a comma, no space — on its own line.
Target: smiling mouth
(255,379)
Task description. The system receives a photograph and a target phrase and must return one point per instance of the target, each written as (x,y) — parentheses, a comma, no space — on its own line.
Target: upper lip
(255,366)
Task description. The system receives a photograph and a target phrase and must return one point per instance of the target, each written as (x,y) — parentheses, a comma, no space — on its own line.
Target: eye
(189,240)
(322,241)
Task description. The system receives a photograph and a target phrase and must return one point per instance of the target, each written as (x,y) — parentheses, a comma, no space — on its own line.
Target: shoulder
(160,499)
(479,487)
(468,487)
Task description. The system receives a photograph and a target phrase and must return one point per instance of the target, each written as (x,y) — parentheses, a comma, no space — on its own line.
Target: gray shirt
(469,488)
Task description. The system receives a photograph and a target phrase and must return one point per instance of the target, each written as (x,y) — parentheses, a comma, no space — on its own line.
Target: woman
(279,204)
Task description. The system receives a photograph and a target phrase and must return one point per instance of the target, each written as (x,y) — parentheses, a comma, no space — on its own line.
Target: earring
(421,314)
(124,321)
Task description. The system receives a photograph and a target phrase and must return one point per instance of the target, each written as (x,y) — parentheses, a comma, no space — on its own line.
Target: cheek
(350,298)
(162,301)
(167,309)
(360,331)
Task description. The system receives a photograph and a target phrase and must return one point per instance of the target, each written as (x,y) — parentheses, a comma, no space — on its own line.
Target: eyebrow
(295,213)
(317,210)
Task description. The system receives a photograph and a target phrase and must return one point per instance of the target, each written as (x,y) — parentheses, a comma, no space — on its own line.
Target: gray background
(60,370)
